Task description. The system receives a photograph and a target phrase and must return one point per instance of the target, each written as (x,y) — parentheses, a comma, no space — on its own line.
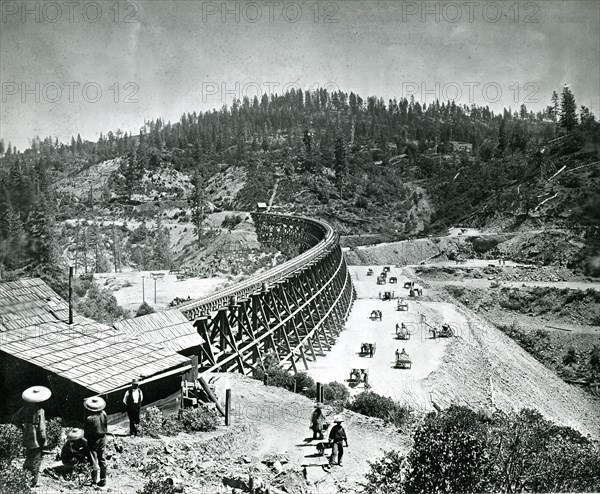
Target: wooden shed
(78,360)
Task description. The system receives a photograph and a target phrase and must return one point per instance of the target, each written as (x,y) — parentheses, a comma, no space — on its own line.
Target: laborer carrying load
(318,422)
(337,437)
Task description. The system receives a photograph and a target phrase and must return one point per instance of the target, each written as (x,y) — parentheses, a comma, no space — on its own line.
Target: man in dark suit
(133,402)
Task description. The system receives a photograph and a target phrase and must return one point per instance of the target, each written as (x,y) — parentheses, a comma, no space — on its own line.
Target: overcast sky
(183,56)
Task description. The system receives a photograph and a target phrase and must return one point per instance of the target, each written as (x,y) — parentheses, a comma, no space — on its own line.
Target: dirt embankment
(267,424)
(485,366)
(406,251)
(469,246)
(540,247)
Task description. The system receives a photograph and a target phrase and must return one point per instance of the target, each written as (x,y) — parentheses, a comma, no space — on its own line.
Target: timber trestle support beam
(293,312)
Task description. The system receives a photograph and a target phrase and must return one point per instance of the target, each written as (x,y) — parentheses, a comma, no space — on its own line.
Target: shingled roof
(169,329)
(34,328)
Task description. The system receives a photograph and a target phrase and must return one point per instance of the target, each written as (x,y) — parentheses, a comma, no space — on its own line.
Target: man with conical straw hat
(34,428)
(95,430)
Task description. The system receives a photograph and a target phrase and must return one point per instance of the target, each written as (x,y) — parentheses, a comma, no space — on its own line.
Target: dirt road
(279,421)
(405,385)
(480,368)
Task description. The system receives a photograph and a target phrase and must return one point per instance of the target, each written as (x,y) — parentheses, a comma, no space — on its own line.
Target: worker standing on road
(33,418)
(133,401)
(338,437)
(96,428)
(371,350)
(318,421)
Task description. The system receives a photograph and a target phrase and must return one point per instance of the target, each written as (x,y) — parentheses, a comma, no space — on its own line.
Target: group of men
(337,435)
(83,446)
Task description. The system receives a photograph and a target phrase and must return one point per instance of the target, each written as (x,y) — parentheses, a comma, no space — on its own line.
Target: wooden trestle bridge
(294,311)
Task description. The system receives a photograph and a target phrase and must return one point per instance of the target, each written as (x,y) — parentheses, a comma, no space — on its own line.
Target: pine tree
(197,203)
(161,246)
(340,160)
(568,109)
(42,234)
(587,118)
(554,110)
(502,138)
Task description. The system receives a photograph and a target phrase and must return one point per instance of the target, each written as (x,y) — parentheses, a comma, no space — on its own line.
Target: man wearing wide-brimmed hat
(33,418)
(133,401)
(337,436)
(75,451)
(95,430)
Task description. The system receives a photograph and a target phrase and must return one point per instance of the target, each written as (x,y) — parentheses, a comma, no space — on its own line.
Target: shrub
(158,486)
(305,384)
(385,476)
(448,453)
(570,357)
(335,391)
(151,421)
(595,358)
(53,432)
(14,480)
(201,419)
(460,450)
(372,404)
(144,309)
(277,377)
(11,442)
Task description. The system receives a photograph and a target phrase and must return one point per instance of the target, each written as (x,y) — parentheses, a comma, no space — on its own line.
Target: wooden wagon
(358,377)
(403,360)
(367,349)
(402,332)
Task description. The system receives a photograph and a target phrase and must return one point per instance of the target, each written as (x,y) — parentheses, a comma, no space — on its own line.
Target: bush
(570,357)
(53,432)
(201,419)
(277,377)
(448,453)
(151,422)
(335,391)
(373,405)
(144,309)
(14,480)
(385,476)
(460,450)
(159,486)
(305,384)
(11,442)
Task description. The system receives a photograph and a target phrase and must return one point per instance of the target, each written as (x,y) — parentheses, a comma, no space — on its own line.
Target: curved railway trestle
(294,311)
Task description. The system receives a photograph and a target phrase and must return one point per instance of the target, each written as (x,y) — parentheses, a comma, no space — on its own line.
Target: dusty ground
(266,422)
(481,368)
(130,292)
(405,385)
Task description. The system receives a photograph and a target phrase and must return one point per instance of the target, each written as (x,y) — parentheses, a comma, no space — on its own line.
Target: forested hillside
(391,169)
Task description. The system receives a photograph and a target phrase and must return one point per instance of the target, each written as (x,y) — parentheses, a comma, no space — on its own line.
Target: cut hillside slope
(486,366)
(423,249)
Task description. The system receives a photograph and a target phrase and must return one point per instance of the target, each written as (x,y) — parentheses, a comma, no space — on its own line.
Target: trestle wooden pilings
(293,318)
